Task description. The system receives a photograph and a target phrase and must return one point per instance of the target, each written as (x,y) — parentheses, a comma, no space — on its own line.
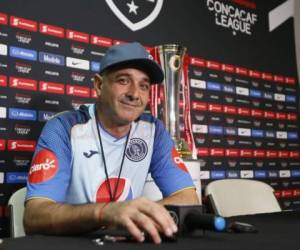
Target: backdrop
(242,79)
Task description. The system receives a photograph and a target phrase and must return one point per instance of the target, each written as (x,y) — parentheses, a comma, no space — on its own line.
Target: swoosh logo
(90,154)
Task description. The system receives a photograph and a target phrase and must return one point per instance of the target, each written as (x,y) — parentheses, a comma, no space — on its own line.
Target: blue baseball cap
(132,55)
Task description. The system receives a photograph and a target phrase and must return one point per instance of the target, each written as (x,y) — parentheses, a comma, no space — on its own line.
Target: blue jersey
(68,167)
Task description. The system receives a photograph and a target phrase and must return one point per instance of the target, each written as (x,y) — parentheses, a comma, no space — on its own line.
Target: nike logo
(90,154)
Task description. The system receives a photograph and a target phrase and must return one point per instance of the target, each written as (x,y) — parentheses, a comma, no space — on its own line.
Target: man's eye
(145,86)
(123,80)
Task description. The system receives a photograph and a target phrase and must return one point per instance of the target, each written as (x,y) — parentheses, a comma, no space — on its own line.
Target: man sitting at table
(90,165)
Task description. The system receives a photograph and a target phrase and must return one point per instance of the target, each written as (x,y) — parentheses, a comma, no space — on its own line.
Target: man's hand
(137,216)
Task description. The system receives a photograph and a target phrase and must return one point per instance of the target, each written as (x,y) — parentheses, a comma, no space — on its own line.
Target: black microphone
(191,217)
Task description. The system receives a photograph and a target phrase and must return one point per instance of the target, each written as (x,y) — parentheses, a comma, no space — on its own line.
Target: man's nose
(133,91)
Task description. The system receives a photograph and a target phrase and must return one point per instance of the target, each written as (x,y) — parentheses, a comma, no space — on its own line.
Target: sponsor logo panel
(45,116)
(95,66)
(22,23)
(77,36)
(22,114)
(16,177)
(3,49)
(78,91)
(22,53)
(51,87)
(3,81)
(77,63)
(218,174)
(3,111)
(198,62)
(22,98)
(52,30)
(51,58)
(247,174)
(22,83)
(3,18)
(22,129)
(21,145)
(101,41)
(2,144)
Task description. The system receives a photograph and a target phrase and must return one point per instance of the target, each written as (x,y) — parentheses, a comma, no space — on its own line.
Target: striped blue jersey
(68,167)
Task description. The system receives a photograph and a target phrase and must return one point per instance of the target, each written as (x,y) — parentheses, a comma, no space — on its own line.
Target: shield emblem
(135,14)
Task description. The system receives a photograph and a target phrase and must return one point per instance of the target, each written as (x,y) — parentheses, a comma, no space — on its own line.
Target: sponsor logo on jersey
(90,153)
(44,167)
(136,150)
(122,193)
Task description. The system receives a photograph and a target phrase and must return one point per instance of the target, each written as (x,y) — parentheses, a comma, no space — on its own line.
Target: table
(276,231)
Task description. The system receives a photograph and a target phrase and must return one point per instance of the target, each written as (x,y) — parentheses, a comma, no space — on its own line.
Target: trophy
(171,58)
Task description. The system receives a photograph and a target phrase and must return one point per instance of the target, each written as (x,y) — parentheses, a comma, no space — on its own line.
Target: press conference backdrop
(243,85)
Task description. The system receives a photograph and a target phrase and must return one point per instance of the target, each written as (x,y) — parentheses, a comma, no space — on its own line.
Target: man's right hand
(138,216)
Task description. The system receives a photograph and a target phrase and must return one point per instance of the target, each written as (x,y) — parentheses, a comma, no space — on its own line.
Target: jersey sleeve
(167,168)
(50,171)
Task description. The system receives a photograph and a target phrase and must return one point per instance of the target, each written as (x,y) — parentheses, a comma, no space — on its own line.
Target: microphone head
(219,223)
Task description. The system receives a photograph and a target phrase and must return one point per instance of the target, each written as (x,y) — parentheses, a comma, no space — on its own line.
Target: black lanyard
(112,195)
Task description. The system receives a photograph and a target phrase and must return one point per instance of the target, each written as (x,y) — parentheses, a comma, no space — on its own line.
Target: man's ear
(98,80)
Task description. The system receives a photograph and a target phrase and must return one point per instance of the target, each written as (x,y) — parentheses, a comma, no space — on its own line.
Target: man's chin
(124,120)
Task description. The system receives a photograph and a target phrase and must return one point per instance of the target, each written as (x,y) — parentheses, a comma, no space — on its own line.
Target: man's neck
(115,129)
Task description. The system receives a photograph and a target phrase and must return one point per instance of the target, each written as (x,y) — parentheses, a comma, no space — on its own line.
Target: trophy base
(183,149)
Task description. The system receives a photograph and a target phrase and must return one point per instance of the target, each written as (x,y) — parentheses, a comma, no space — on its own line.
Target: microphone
(191,217)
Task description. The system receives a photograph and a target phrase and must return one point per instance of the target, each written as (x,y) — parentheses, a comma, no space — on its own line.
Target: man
(88,159)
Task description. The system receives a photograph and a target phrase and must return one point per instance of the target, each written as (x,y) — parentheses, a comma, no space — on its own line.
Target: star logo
(132,7)
(135,14)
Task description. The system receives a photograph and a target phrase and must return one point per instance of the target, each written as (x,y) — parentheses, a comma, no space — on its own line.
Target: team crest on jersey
(136,150)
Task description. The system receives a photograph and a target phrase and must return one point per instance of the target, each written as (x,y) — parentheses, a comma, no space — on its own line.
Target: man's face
(123,94)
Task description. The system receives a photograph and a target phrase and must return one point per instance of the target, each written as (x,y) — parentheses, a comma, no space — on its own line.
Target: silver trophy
(171,59)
